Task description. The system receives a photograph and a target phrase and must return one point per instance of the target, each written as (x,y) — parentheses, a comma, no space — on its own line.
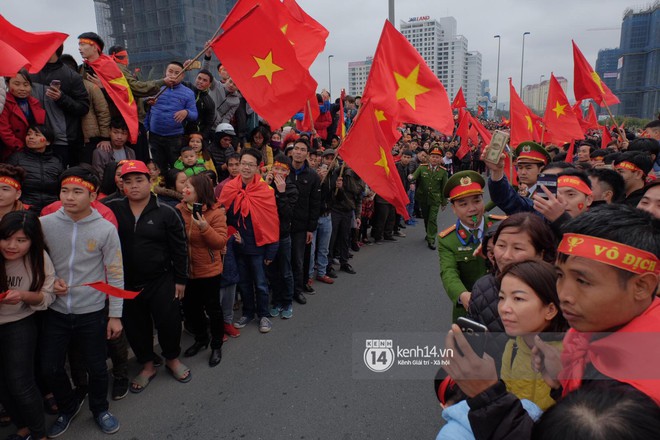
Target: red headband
(11,182)
(73,180)
(609,252)
(575,183)
(446,383)
(625,165)
(121,57)
(92,42)
(280,164)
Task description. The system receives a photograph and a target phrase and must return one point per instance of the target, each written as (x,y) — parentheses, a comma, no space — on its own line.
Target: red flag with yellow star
(367,150)
(559,119)
(401,84)
(521,120)
(264,66)
(586,82)
(459,99)
(116,86)
(306,35)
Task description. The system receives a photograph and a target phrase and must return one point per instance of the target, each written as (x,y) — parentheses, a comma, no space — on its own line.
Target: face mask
(275,144)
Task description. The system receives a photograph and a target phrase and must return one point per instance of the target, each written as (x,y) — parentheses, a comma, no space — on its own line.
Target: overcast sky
(355,26)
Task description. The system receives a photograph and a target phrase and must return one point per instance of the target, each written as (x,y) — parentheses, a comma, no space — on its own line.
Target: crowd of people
(212,211)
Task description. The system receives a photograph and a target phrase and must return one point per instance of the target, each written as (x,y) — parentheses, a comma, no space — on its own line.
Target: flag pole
(622,135)
(311,121)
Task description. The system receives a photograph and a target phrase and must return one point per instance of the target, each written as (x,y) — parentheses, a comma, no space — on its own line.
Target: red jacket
(14,124)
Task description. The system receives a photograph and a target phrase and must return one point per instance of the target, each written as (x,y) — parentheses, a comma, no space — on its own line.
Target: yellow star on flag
(284,29)
(266,67)
(380,115)
(559,109)
(409,88)
(121,81)
(530,126)
(599,83)
(383,161)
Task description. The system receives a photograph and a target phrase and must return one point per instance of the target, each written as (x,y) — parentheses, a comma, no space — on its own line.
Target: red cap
(134,166)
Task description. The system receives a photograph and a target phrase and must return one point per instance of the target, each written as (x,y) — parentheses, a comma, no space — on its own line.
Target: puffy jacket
(73,105)
(204,248)
(14,125)
(308,208)
(230,275)
(286,202)
(219,156)
(349,197)
(160,118)
(153,245)
(96,123)
(41,186)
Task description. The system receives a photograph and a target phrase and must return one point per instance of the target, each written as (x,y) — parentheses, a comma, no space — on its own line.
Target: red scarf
(629,355)
(257,199)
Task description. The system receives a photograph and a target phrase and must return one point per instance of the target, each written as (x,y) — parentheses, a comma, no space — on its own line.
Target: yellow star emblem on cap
(409,88)
(121,81)
(382,162)
(599,83)
(559,109)
(266,67)
(380,115)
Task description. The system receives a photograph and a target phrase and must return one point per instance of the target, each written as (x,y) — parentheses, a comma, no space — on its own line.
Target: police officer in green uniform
(459,268)
(429,192)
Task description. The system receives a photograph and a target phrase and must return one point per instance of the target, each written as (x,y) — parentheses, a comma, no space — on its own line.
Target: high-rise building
(638,82)
(358,72)
(535,96)
(158,31)
(446,53)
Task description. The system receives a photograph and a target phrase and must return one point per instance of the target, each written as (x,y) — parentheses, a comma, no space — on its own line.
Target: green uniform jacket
(459,269)
(430,185)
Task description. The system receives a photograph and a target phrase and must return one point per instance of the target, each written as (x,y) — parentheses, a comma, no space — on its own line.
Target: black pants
(164,150)
(18,390)
(203,295)
(340,239)
(142,146)
(118,353)
(156,307)
(383,224)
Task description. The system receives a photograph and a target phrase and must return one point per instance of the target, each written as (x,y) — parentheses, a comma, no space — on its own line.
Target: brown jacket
(204,248)
(96,123)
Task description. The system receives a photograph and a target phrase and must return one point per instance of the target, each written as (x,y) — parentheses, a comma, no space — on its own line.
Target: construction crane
(604,29)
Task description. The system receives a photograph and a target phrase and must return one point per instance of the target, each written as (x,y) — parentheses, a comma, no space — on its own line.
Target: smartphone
(56,84)
(475,333)
(197,210)
(550,182)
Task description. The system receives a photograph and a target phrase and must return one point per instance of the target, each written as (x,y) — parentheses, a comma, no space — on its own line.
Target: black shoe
(308,288)
(431,246)
(402,226)
(119,388)
(347,268)
(331,273)
(390,239)
(355,247)
(195,348)
(216,357)
(158,361)
(300,298)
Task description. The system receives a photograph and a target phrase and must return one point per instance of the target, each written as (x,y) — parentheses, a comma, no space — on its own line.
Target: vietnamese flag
(505,121)
(19,48)
(401,84)
(310,113)
(480,110)
(263,64)
(577,109)
(486,135)
(521,120)
(459,99)
(559,119)
(367,150)
(118,90)
(592,119)
(305,34)
(586,82)
(463,132)
(605,137)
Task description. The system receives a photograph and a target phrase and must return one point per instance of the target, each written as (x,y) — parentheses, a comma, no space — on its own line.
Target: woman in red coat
(21,111)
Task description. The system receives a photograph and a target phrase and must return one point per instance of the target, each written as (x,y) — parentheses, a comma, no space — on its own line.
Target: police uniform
(459,268)
(429,193)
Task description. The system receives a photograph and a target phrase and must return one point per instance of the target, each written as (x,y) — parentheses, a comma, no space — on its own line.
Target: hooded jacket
(42,173)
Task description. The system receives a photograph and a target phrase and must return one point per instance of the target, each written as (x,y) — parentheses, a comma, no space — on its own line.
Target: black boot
(216,357)
(195,348)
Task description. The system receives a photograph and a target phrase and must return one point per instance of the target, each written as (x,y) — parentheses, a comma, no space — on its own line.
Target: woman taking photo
(206,228)
(26,280)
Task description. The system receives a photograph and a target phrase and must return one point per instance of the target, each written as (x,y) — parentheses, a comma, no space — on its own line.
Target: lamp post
(522,61)
(330,77)
(540,97)
(497,80)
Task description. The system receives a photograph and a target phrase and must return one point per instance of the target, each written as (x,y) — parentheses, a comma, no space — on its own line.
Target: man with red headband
(608,274)
(633,166)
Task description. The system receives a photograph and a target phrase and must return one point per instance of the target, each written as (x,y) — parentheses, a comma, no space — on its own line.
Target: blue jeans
(410,207)
(280,274)
(322,238)
(88,332)
(253,284)
(18,390)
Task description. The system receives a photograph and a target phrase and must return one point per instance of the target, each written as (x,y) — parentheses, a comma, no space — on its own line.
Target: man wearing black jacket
(205,106)
(305,215)
(155,254)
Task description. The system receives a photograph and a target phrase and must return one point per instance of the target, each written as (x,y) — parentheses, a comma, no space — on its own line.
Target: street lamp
(330,77)
(497,80)
(522,61)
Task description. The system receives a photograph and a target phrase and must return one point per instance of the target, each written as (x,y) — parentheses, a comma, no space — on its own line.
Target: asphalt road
(299,381)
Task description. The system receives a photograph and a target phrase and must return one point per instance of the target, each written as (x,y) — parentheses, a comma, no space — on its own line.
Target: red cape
(257,199)
(629,355)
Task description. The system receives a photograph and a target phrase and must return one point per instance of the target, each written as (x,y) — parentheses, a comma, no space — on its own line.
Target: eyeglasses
(247,165)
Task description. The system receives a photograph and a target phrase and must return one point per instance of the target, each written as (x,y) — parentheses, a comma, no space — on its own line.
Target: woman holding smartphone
(206,226)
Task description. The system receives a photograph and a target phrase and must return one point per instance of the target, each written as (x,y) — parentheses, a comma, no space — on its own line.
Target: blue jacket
(230,274)
(458,425)
(160,118)
(507,199)
(248,244)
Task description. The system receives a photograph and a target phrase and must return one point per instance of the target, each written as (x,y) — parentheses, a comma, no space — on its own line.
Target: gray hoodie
(84,252)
